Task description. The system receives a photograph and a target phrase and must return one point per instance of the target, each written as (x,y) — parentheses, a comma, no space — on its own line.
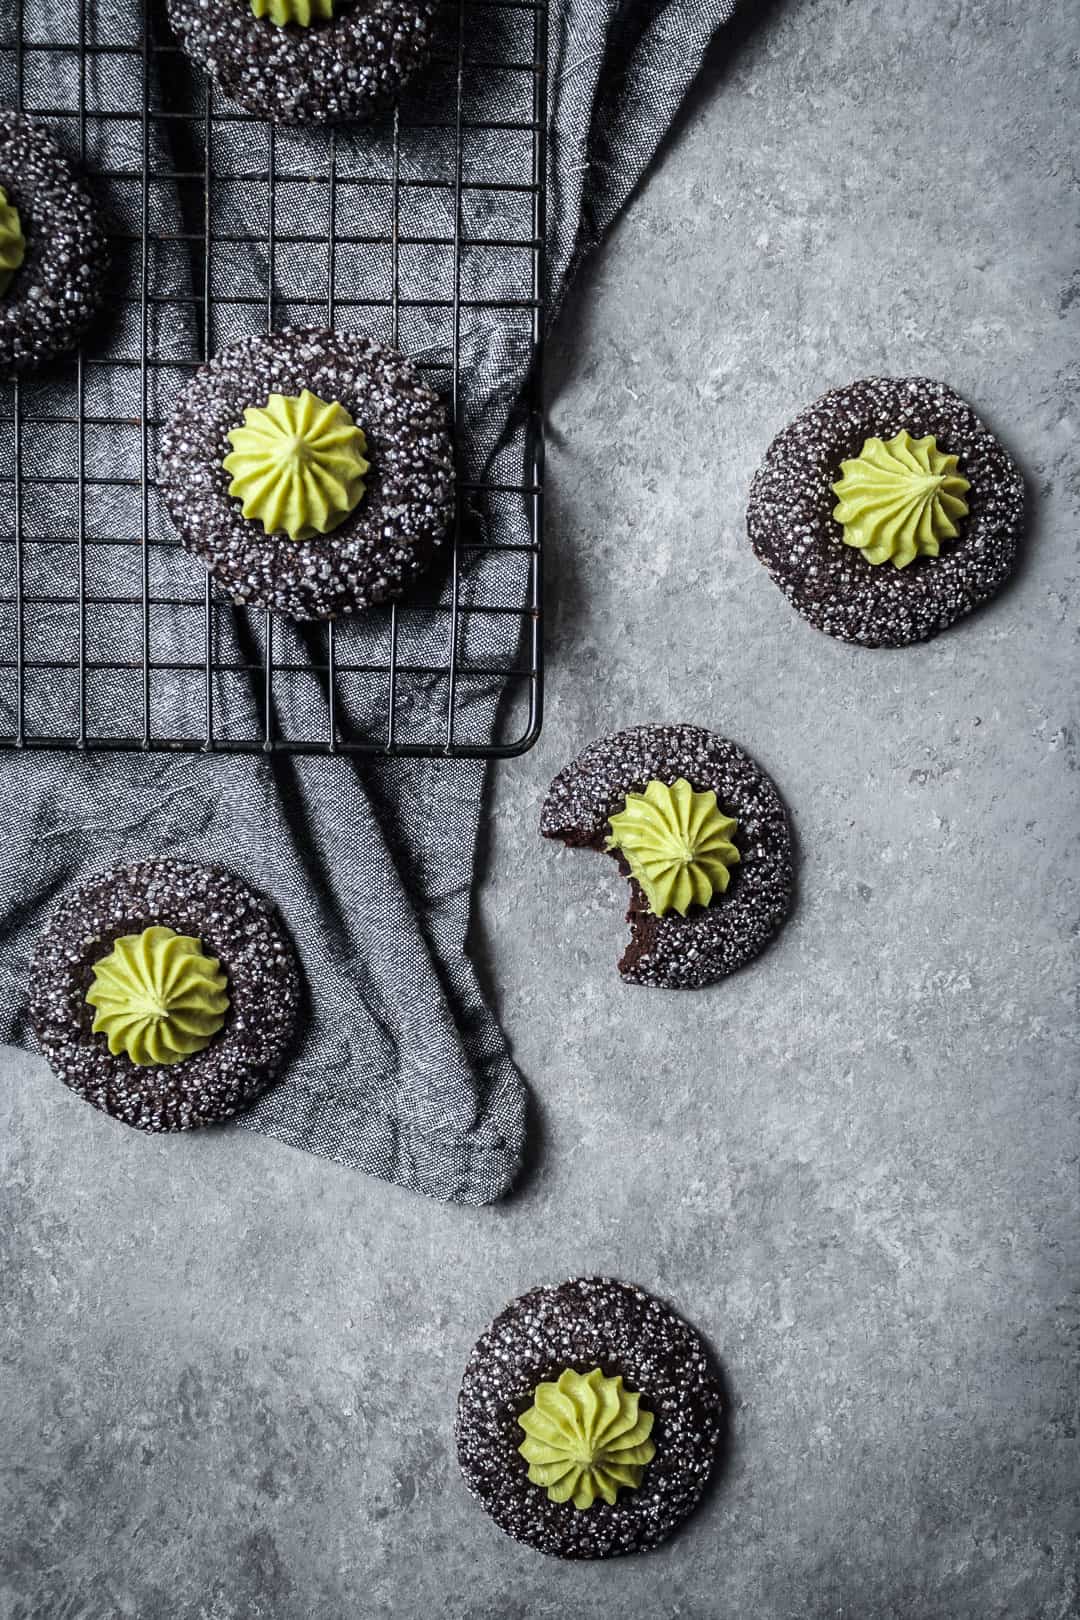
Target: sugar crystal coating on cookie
(794,531)
(383,544)
(334,68)
(586,1324)
(676,951)
(236,927)
(56,288)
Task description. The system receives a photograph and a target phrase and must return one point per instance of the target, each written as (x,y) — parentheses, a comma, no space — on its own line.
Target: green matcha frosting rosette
(590,1419)
(677,844)
(297,465)
(900,499)
(158,996)
(302,13)
(586,1438)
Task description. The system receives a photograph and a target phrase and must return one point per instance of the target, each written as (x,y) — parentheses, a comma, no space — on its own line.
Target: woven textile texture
(401,1070)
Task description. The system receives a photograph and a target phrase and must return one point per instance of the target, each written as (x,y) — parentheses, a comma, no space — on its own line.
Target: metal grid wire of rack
(425,231)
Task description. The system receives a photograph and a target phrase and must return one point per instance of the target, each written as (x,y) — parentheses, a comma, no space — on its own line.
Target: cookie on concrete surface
(307,61)
(887,511)
(165,994)
(311,471)
(702,835)
(589,1419)
(53,249)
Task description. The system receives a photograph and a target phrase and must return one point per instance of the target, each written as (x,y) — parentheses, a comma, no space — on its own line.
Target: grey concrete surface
(233,1367)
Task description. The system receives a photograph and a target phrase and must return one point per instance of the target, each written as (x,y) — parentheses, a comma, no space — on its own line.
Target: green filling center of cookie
(159,997)
(297,465)
(586,1437)
(677,844)
(899,499)
(12,241)
(301,12)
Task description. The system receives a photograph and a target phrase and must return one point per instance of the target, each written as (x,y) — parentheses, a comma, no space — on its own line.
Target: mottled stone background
(232,1367)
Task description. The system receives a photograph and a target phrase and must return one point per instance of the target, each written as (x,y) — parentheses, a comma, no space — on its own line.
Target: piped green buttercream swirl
(303,12)
(899,499)
(12,241)
(677,843)
(297,465)
(586,1436)
(159,998)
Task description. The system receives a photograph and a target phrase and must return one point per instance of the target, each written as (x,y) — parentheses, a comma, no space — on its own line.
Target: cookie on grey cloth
(677,952)
(346,67)
(582,1324)
(793,531)
(56,291)
(390,537)
(235,925)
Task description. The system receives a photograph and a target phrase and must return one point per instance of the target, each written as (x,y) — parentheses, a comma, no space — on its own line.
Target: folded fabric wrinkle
(402,1070)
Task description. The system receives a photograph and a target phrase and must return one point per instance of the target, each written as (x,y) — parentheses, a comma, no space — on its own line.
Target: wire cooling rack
(425,231)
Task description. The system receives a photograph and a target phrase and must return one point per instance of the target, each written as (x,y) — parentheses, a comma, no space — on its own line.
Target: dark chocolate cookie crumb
(347,68)
(57,290)
(381,547)
(234,924)
(673,952)
(793,531)
(585,1323)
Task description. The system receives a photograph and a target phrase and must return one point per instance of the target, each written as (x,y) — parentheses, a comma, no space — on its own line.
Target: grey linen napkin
(401,1069)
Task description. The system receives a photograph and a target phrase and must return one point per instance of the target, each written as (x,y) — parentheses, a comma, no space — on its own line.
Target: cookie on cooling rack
(311,471)
(307,61)
(700,832)
(53,249)
(165,994)
(887,511)
(589,1419)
